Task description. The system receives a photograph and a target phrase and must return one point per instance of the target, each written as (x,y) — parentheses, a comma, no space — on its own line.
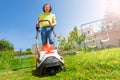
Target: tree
(71,41)
(63,44)
(75,36)
(6,45)
(28,51)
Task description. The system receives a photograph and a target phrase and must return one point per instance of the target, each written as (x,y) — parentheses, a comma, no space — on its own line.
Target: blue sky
(18,17)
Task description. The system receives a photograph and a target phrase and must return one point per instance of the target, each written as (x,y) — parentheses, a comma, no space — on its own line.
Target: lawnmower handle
(44,21)
(37,26)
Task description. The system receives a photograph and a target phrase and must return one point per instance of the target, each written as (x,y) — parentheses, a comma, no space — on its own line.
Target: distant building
(34,47)
(111,37)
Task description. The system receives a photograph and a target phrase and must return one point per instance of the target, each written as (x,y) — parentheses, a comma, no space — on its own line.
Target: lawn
(98,65)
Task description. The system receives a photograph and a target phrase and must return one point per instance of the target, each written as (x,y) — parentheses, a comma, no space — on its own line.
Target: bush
(26,52)
(5,45)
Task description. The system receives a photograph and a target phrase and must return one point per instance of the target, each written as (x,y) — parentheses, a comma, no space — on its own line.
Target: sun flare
(114,5)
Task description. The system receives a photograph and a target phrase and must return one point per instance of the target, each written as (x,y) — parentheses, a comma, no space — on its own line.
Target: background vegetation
(98,65)
(6,45)
(9,62)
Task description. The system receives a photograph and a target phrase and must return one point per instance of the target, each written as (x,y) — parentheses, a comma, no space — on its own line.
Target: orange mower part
(48,48)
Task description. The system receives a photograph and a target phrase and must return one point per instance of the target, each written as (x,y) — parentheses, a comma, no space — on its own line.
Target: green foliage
(5,45)
(5,58)
(8,61)
(74,36)
(99,65)
(70,42)
(26,52)
(65,44)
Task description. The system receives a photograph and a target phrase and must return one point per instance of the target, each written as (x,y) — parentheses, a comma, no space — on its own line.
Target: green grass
(9,62)
(99,65)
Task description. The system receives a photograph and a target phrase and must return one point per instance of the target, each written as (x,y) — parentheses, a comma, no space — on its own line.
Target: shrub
(5,45)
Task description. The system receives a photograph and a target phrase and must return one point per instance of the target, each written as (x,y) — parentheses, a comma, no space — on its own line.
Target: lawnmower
(49,62)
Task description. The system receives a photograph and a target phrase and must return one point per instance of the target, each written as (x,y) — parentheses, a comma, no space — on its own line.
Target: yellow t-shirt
(51,17)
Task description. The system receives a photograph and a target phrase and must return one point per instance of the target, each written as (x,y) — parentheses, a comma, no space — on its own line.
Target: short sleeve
(40,16)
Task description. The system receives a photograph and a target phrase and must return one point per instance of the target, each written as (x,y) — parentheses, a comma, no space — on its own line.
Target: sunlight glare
(115,5)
